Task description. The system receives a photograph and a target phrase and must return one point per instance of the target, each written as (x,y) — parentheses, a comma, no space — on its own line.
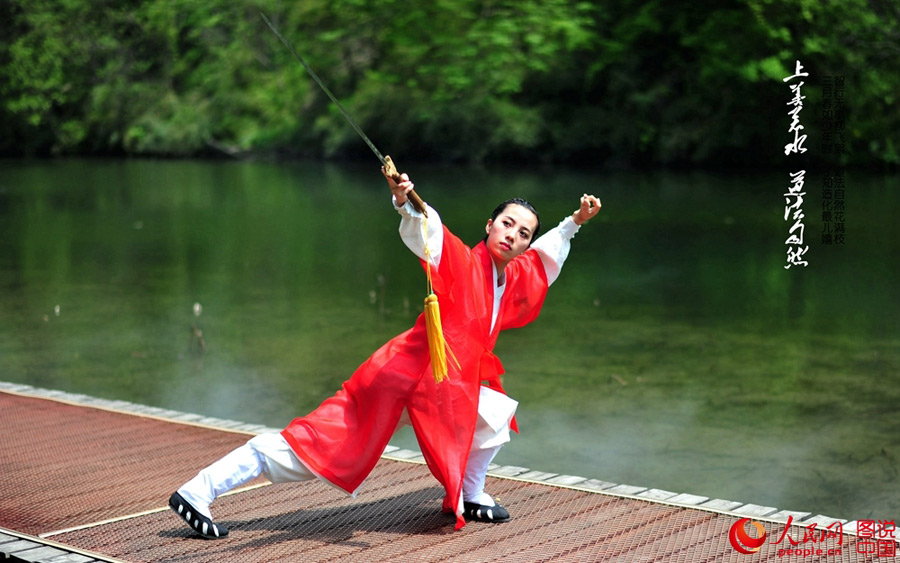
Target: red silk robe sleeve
(526,288)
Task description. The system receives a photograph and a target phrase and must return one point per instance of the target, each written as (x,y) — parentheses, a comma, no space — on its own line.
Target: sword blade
(325,89)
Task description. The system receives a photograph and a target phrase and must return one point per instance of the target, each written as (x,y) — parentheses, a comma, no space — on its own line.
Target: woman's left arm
(553,247)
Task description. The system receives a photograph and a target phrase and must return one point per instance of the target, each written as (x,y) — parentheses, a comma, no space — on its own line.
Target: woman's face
(510,233)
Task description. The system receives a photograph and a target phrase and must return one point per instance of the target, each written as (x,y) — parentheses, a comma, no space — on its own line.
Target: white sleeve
(413,235)
(553,247)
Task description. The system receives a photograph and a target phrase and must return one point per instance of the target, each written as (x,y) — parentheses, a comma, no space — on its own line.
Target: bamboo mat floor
(83,481)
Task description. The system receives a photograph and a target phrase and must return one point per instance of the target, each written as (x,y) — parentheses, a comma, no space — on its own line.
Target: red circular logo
(742,541)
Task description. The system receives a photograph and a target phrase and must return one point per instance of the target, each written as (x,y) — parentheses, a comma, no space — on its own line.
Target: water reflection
(674,351)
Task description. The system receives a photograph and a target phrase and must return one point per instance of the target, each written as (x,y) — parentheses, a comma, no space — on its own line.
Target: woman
(461,422)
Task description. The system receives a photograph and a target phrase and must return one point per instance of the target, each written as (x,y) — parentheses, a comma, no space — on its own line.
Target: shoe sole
(200,524)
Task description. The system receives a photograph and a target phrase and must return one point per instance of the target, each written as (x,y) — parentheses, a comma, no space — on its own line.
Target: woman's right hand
(400,190)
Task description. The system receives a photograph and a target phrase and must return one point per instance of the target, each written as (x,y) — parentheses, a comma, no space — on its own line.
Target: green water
(675,351)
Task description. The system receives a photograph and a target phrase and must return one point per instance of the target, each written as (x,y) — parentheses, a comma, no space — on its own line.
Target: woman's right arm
(413,223)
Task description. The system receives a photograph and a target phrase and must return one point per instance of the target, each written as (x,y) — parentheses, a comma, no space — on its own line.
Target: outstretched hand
(590,205)
(400,190)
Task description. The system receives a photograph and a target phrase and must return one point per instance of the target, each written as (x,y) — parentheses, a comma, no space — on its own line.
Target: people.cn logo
(741,540)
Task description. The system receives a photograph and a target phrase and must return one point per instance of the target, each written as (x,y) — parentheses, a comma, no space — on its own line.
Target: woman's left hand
(590,205)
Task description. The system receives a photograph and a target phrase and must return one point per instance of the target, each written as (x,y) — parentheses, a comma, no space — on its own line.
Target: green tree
(625,81)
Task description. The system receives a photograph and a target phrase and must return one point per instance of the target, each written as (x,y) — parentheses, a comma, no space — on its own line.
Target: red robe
(345,436)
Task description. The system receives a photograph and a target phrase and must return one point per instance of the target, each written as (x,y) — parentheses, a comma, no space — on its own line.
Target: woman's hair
(526,205)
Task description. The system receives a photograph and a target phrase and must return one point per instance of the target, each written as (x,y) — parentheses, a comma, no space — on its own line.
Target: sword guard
(391,170)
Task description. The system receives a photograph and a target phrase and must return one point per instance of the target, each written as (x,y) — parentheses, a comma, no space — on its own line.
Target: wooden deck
(85,480)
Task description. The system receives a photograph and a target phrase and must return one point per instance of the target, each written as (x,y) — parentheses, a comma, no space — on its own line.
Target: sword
(389,166)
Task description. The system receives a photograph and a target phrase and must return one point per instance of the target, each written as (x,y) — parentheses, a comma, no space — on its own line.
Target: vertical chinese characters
(793,211)
(793,206)
(833,143)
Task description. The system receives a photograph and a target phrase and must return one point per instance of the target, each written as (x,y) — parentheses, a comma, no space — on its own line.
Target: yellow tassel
(437,347)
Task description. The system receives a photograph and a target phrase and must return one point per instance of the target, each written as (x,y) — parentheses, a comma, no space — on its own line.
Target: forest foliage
(621,82)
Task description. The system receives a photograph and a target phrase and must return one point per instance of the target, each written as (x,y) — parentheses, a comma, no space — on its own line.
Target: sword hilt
(391,171)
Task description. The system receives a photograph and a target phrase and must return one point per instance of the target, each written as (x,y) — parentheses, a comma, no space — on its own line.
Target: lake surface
(675,351)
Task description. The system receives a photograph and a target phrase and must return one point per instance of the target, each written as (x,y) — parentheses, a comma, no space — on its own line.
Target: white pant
(495,412)
(270,454)
(267,454)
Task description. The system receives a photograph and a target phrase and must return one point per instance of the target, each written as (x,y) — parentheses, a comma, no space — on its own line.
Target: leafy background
(620,82)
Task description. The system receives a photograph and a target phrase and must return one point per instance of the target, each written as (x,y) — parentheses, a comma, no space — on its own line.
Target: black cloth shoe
(483,513)
(198,522)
